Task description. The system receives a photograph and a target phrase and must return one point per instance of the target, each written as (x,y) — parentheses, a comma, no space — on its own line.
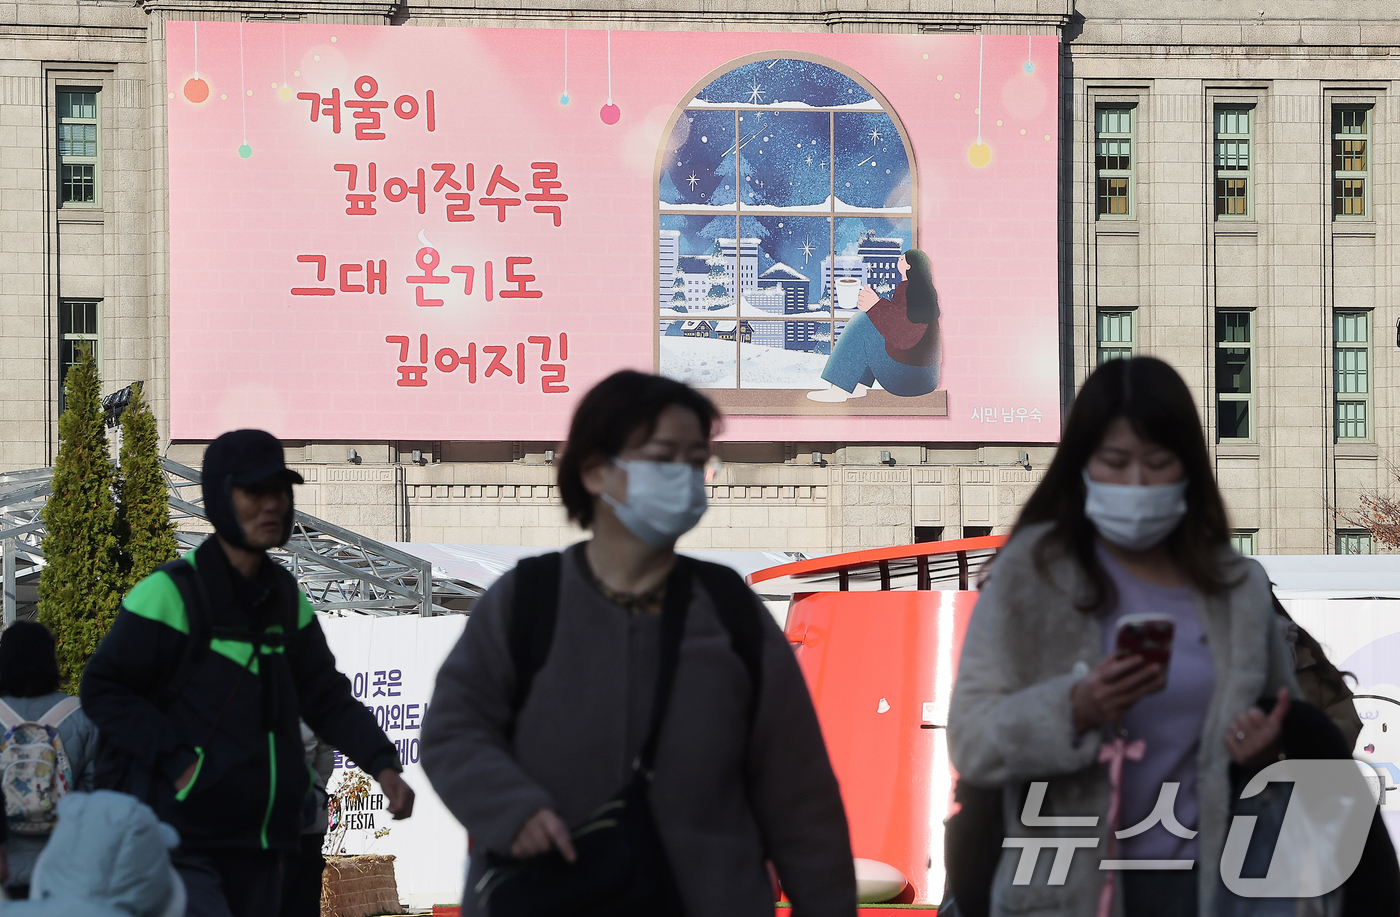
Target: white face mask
(1133,516)
(664,500)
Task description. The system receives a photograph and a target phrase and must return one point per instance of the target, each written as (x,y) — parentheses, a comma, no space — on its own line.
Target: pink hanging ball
(196,90)
(610,113)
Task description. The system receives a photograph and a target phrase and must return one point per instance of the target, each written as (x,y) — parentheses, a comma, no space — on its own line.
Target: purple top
(1169,722)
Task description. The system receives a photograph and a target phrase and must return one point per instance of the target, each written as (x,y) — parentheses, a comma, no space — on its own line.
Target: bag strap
(195,597)
(738,611)
(533,613)
(60,712)
(8,717)
(673,614)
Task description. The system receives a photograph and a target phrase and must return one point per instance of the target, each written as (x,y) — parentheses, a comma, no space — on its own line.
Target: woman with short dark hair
(1128,521)
(29,687)
(525,743)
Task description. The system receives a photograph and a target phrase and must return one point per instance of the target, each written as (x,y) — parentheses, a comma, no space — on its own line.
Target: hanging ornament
(979,154)
(564,99)
(1029,65)
(196,90)
(610,113)
(244,149)
(285,93)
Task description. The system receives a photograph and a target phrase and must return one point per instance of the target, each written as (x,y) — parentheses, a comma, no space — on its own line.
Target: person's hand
(1111,687)
(543,830)
(186,777)
(867,299)
(400,794)
(1253,736)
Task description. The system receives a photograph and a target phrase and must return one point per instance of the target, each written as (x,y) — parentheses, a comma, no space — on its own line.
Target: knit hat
(242,458)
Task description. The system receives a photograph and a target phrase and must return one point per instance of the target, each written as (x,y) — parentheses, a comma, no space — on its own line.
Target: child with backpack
(47,746)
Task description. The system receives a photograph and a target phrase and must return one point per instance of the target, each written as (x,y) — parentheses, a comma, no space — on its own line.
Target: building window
(785,187)
(1351,163)
(1243,541)
(1354,541)
(1351,362)
(976,531)
(925,533)
(1117,335)
(78,329)
(1113,161)
(78,167)
(1234,374)
(1234,176)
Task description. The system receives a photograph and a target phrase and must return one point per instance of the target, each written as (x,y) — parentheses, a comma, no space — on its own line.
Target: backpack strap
(60,712)
(533,613)
(195,597)
(738,610)
(8,717)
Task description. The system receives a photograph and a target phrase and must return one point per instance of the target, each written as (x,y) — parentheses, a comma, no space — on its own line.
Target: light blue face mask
(1135,517)
(664,500)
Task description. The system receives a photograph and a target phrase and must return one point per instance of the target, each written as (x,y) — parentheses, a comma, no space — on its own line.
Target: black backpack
(536,607)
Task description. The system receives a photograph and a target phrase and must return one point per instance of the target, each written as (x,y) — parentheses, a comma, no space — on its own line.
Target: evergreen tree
(144,530)
(678,297)
(718,296)
(81,584)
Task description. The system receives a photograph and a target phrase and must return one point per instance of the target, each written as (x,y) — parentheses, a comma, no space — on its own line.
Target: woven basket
(359,886)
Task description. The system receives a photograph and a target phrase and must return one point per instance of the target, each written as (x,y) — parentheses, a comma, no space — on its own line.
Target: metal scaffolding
(340,570)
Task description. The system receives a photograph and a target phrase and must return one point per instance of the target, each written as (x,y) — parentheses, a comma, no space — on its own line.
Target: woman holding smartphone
(1127,523)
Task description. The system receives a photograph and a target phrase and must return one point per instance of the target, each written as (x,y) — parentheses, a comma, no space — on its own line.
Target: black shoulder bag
(622,869)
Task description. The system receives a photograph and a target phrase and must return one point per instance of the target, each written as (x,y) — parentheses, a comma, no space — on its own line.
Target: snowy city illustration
(786,190)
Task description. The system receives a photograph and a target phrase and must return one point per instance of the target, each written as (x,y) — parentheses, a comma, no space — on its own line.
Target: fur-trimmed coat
(1010,720)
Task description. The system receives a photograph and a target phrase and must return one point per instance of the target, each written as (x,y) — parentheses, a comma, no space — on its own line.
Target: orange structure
(877,634)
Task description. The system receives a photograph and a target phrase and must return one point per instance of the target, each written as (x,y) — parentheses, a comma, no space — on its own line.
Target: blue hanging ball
(245,151)
(1029,67)
(564,99)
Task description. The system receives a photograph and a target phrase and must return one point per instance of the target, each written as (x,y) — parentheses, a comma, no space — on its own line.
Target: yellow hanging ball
(285,92)
(979,154)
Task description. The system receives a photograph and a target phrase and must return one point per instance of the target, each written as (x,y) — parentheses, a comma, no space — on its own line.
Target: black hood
(243,458)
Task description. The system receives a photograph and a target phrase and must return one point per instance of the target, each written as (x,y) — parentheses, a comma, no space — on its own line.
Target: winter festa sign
(451,234)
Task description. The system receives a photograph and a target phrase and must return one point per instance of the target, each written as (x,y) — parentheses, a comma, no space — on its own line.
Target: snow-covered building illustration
(748,263)
(669,249)
(881,258)
(779,177)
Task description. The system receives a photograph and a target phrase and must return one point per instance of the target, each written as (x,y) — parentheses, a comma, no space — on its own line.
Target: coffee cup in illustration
(847,293)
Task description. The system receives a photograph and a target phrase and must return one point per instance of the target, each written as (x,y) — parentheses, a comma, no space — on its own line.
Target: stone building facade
(1209,170)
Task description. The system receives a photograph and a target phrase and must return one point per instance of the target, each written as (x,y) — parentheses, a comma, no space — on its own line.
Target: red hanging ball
(610,113)
(196,90)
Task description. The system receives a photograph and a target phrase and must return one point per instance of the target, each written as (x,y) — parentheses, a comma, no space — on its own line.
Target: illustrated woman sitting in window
(894,342)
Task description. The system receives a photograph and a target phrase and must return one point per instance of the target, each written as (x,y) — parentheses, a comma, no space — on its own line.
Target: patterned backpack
(34,769)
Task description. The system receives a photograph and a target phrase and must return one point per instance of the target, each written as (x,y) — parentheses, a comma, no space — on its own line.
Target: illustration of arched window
(783,178)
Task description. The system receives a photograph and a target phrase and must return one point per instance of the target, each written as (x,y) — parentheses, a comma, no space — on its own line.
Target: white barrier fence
(392,663)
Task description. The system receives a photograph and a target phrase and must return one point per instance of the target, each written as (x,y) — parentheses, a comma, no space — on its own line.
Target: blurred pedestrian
(1128,520)
(621,674)
(109,856)
(302,871)
(54,728)
(197,690)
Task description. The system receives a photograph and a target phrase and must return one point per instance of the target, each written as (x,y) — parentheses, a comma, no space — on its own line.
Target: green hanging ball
(245,151)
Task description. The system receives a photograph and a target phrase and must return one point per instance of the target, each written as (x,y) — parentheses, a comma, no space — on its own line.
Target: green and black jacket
(235,708)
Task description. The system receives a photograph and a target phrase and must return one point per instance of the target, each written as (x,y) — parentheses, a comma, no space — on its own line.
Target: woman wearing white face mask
(535,727)
(1128,520)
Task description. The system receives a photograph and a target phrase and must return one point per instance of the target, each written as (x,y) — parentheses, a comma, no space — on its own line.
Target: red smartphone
(1148,635)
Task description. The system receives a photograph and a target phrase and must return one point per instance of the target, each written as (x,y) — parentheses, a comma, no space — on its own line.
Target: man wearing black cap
(197,689)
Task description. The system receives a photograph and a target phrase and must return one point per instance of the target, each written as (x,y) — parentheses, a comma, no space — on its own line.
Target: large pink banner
(450,234)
